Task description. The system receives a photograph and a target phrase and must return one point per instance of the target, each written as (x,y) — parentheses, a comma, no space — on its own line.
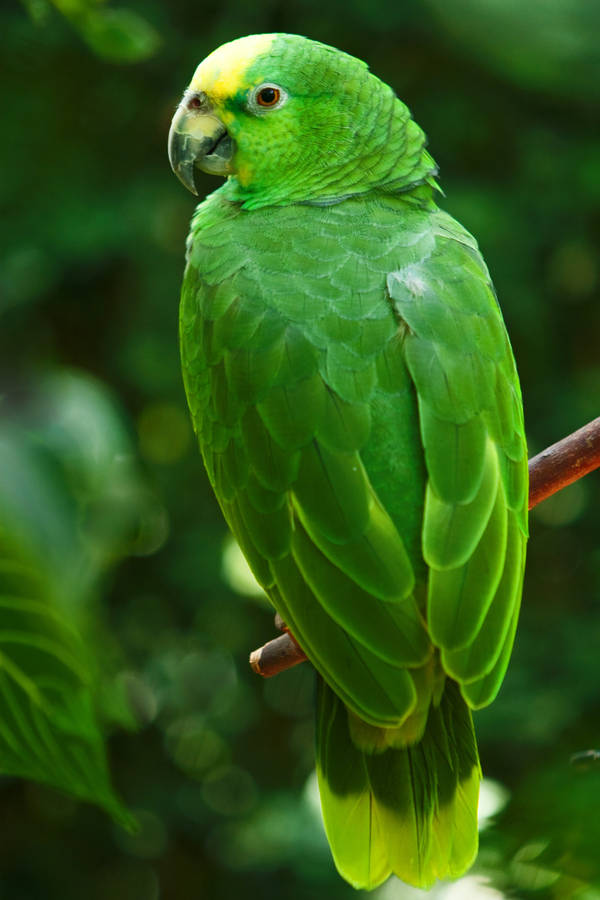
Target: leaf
(116,35)
(38,10)
(48,726)
(119,35)
(63,455)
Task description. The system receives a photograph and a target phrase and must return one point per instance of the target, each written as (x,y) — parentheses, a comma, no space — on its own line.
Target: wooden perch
(550,471)
(564,462)
(281,653)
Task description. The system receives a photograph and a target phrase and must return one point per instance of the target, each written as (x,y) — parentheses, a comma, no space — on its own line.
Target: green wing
(470,412)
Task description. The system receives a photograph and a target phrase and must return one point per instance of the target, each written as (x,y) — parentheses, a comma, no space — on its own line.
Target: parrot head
(288,119)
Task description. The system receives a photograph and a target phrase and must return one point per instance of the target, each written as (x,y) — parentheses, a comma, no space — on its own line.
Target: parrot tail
(409,811)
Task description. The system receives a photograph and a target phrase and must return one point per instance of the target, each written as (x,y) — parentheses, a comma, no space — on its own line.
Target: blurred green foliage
(116,35)
(109,529)
(68,492)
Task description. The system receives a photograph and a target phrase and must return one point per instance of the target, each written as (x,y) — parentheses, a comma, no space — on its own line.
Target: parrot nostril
(196,101)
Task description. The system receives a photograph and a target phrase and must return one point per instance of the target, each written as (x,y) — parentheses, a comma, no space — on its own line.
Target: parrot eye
(267,96)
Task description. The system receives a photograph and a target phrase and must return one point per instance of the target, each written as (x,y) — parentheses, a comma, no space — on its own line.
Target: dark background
(219,766)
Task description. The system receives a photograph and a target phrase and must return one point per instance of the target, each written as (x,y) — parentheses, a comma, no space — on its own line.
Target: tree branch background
(102,489)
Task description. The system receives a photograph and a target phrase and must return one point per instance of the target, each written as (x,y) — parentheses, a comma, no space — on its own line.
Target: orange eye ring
(268,96)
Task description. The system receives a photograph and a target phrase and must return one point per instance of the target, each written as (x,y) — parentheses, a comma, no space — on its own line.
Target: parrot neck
(420,194)
(418,181)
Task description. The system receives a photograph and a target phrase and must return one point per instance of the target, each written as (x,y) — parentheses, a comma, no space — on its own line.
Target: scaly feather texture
(358,411)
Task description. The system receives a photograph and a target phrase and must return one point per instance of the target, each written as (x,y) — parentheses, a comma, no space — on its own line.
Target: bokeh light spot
(564,507)
(230,791)
(493,797)
(237,572)
(194,747)
(573,269)
(149,842)
(164,432)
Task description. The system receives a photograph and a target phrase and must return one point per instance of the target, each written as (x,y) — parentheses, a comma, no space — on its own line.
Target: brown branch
(550,471)
(277,655)
(564,462)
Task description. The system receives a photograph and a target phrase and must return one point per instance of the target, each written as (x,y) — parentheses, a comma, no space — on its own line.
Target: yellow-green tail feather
(411,811)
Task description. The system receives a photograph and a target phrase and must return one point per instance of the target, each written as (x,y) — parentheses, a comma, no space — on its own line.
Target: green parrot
(358,410)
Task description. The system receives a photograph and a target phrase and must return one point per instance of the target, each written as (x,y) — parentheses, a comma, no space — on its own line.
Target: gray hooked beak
(198,140)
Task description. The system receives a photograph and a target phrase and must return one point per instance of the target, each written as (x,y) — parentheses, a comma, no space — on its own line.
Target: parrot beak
(198,139)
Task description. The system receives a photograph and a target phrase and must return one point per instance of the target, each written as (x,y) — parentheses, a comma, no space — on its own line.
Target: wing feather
(479,657)
(474,524)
